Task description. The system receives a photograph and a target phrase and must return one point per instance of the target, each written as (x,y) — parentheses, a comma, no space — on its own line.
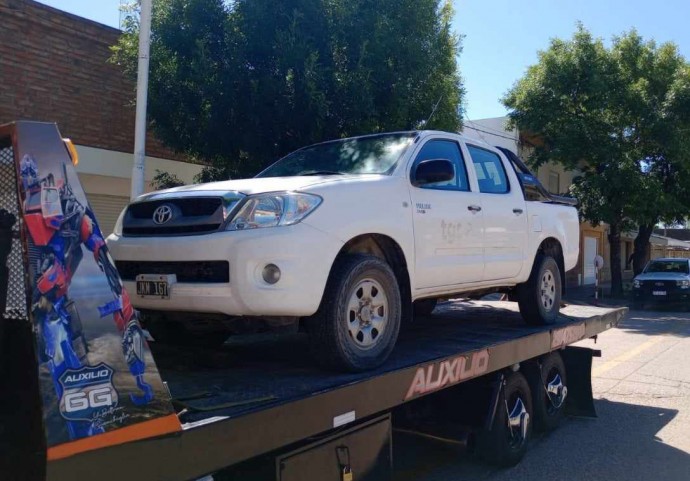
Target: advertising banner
(98,380)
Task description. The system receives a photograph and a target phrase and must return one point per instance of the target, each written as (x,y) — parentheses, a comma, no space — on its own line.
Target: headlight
(683,284)
(272,210)
(637,284)
(117,230)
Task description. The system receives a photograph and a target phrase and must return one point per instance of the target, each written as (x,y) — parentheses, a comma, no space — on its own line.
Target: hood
(254,186)
(662,276)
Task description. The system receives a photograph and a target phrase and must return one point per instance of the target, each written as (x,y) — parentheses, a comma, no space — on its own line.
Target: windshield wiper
(320,172)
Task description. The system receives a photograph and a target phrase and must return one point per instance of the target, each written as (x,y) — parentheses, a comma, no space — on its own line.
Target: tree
(619,115)
(242,83)
(165,180)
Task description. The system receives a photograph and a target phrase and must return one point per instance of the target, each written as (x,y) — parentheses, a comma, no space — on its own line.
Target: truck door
(505,216)
(448,227)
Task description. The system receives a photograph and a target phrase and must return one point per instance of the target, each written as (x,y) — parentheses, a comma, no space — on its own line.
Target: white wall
(493,131)
(109,172)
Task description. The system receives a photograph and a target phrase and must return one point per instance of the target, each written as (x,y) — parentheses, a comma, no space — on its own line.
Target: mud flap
(578,366)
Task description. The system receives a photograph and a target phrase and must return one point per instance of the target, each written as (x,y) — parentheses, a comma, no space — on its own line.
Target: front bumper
(303,254)
(672,294)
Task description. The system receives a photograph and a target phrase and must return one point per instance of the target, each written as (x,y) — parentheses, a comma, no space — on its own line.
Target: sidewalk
(585,295)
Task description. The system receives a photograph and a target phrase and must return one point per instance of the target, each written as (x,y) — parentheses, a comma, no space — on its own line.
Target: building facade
(54,67)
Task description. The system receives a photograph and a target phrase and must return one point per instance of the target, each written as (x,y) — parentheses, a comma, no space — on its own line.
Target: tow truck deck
(81,397)
(257,395)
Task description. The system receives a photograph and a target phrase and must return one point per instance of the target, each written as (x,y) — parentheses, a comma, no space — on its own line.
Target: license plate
(155,285)
(659,293)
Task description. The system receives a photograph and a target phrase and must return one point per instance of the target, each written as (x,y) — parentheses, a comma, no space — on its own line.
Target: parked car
(663,280)
(343,237)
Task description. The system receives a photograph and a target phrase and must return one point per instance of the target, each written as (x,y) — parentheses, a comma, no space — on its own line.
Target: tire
(343,334)
(424,307)
(541,308)
(502,446)
(547,413)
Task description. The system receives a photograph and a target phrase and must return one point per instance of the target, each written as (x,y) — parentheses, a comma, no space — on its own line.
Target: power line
(486,127)
(491,133)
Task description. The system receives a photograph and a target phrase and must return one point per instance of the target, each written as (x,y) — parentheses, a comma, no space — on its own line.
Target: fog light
(271,274)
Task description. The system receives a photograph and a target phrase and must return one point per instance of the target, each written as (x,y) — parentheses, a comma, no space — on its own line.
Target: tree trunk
(616,271)
(642,247)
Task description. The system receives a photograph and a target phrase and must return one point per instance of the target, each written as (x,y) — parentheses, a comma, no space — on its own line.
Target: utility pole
(139,167)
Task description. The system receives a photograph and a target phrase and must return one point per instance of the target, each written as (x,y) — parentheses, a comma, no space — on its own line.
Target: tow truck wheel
(357,324)
(506,442)
(424,307)
(549,391)
(540,297)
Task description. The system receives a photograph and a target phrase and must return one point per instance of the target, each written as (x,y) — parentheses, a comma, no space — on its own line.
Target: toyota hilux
(348,238)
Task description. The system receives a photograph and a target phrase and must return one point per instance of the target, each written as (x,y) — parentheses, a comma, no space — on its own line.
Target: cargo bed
(261,393)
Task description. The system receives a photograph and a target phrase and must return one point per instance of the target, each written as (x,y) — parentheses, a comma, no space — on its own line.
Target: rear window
(678,267)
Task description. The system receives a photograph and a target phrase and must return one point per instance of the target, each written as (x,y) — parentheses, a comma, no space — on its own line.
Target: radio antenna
(426,123)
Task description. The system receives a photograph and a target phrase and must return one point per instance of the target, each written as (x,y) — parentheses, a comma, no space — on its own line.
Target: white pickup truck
(348,238)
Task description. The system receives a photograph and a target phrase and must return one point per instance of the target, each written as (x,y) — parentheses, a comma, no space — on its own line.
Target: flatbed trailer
(259,405)
(264,395)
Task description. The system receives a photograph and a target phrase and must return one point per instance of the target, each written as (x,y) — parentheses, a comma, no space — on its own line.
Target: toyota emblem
(162,214)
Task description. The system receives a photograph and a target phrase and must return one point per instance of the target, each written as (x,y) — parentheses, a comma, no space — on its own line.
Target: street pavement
(642,395)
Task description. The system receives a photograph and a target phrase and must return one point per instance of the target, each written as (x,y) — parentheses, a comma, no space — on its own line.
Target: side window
(444,149)
(490,171)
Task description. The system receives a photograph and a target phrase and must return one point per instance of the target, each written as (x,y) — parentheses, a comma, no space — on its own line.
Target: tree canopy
(242,83)
(620,115)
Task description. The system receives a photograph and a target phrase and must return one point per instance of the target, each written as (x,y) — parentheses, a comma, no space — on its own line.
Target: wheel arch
(552,247)
(386,248)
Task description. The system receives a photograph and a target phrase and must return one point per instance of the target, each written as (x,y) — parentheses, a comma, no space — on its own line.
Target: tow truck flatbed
(263,393)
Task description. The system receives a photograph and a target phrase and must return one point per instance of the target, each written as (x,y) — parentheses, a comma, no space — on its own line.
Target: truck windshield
(680,267)
(376,154)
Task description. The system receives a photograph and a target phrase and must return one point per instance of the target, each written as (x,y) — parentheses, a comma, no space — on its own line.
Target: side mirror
(432,171)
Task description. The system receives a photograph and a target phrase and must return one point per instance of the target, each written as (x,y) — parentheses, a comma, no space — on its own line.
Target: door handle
(517,211)
(474,208)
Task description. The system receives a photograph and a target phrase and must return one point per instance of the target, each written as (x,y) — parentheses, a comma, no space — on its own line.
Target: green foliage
(165,180)
(621,116)
(242,83)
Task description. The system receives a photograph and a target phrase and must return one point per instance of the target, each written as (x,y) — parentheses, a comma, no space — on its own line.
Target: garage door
(107,209)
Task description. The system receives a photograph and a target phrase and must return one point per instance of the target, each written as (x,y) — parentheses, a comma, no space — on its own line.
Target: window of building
(554,182)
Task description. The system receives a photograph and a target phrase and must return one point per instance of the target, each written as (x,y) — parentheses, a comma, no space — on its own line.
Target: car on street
(347,238)
(664,280)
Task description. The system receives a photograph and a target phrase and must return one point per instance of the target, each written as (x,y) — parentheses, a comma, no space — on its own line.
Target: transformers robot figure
(59,225)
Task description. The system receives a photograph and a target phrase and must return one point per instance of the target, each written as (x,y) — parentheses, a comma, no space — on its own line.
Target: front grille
(171,230)
(189,207)
(189,215)
(655,285)
(187,271)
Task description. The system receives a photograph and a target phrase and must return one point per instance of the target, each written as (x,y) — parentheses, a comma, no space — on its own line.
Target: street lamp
(139,166)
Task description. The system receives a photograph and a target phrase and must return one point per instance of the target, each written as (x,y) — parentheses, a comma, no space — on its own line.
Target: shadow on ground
(621,445)
(665,322)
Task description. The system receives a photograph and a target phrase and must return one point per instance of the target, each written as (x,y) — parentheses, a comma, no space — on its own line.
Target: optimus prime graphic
(59,225)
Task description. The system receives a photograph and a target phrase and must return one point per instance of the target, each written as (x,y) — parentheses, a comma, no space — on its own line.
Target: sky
(501,38)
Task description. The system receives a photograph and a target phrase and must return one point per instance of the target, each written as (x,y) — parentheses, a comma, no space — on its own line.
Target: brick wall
(54,67)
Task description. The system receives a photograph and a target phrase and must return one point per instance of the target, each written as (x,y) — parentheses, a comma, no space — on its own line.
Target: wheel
(539,298)
(357,324)
(506,442)
(548,383)
(424,307)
